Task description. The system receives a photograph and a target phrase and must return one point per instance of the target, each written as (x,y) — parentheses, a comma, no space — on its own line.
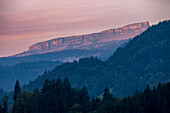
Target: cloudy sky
(26,22)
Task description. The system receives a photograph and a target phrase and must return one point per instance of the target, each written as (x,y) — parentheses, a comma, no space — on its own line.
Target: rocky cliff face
(88,41)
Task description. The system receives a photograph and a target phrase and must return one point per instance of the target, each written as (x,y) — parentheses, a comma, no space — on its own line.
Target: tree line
(58,96)
(144,60)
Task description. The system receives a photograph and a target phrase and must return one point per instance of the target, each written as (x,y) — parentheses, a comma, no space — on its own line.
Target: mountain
(29,67)
(144,60)
(101,45)
(24,72)
(89,41)
(66,55)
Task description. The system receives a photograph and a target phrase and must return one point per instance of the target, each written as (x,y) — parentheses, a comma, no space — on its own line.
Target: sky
(26,22)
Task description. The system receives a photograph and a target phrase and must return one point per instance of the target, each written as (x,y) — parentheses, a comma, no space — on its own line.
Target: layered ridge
(88,41)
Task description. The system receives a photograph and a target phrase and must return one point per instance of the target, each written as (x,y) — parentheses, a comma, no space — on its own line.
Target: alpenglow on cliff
(88,41)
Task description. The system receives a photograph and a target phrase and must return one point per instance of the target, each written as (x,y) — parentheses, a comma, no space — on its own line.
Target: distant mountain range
(68,49)
(144,60)
(66,55)
(46,55)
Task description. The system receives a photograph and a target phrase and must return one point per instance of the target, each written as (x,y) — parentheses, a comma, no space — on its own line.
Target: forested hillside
(57,96)
(24,72)
(144,60)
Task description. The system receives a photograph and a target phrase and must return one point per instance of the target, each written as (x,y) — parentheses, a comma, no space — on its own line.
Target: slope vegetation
(23,72)
(144,60)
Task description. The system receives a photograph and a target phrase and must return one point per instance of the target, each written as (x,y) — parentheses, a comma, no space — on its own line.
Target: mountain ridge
(87,41)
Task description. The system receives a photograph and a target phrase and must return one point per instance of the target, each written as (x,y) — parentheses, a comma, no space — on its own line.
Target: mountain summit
(88,41)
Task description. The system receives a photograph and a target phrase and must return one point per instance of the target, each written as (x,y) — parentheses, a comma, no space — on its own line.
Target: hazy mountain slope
(67,49)
(24,72)
(89,41)
(67,55)
(145,60)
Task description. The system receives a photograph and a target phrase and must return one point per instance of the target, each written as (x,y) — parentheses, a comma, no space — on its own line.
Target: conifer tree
(5,105)
(59,95)
(45,87)
(35,100)
(107,95)
(85,100)
(95,104)
(17,90)
(23,104)
(147,99)
(0,108)
(68,97)
(66,84)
